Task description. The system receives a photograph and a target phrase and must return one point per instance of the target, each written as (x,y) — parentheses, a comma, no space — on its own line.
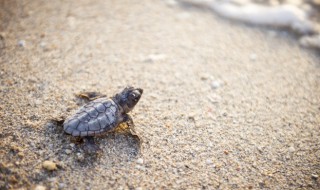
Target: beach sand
(225,105)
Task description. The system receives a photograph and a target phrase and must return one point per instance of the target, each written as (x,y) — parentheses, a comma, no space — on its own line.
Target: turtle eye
(134,97)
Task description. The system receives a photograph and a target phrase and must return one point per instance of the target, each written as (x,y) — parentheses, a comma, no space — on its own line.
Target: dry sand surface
(225,106)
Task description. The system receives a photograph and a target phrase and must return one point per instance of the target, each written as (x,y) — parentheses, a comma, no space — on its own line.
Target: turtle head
(128,98)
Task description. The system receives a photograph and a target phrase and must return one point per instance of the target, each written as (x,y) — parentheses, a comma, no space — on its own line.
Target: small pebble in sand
(22,43)
(260,149)
(204,77)
(209,161)
(139,161)
(62,185)
(192,116)
(155,57)
(292,149)
(43,44)
(49,165)
(16,148)
(253,57)
(68,151)
(142,168)
(21,154)
(315,176)
(80,157)
(40,187)
(215,84)
(38,102)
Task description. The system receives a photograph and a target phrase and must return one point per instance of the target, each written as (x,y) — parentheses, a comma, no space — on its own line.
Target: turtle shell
(98,116)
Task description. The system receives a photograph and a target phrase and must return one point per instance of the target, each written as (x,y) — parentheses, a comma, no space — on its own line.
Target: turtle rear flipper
(90,96)
(90,146)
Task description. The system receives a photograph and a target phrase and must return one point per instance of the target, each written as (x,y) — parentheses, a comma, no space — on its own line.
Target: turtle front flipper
(90,146)
(90,96)
(127,119)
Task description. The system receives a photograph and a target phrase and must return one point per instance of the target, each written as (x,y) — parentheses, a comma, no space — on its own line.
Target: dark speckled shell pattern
(98,116)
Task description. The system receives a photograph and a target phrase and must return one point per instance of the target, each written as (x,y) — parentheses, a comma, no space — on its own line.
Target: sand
(225,105)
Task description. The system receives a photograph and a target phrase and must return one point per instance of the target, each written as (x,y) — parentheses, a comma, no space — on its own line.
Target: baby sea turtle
(103,115)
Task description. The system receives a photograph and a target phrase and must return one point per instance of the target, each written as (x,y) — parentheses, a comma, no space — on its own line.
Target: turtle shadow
(116,146)
(115,149)
(119,145)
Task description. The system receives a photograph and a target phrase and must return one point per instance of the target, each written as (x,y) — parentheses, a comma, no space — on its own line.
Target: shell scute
(85,117)
(73,122)
(100,107)
(94,125)
(107,104)
(84,133)
(97,117)
(83,126)
(103,121)
(111,117)
(93,113)
(75,133)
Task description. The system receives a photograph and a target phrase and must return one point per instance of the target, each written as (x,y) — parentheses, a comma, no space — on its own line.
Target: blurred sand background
(225,105)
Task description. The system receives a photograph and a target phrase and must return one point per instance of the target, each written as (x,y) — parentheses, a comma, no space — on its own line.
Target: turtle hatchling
(103,115)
